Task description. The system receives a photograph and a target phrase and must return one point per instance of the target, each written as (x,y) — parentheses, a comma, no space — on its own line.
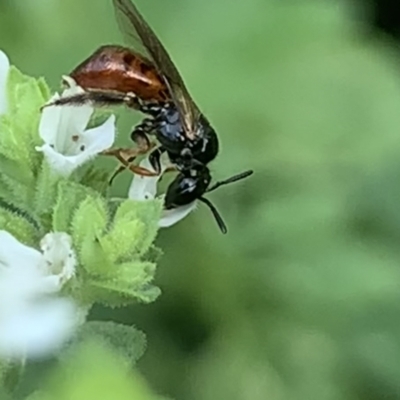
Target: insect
(148,81)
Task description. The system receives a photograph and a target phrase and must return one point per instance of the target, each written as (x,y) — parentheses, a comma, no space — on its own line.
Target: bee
(148,81)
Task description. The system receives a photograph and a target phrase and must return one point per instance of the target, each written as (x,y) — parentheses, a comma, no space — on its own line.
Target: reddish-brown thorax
(116,68)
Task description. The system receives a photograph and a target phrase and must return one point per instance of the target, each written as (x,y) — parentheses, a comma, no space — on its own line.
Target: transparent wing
(136,29)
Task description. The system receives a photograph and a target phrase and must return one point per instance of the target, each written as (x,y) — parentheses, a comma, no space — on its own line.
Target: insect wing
(136,29)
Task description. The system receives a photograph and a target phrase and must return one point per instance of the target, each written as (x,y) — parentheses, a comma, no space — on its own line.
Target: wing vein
(133,24)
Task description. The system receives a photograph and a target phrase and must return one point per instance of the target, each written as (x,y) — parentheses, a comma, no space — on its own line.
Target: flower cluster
(65,243)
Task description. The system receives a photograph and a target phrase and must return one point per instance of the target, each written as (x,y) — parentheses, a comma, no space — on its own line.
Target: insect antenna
(232,179)
(216,214)
(216,185)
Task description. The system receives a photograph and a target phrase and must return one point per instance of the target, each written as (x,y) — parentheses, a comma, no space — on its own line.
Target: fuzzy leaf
(19,226)
(92,372)
(95,178)
(99,117)
(130,281)
(46,190)
(8,142)
(44,89)
(148,212)
(94,258)
(26,95)
(153,254)
(69,196)
(15,171)
(123,239)
(5,190)
(122,339)
(88,223)
(17,193)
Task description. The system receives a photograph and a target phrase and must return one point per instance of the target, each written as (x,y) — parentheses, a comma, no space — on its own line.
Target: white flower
(4,68)
(34,321)
(145,188)
(171,217)
(67,145)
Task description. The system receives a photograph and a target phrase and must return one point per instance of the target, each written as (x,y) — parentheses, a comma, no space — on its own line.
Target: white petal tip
(4,68)
(145,187)
(68,81)
(171,217)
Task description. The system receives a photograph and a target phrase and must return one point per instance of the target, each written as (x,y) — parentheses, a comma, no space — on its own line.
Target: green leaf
(5,190)
(95,178)
(94,258)
(124,238)
(26,95)
(11,373)
(38,395)
(92,372)
(124,340)
(130,282)
(46,190)
(14,163)
(148,212)
(153,254)
(15,170)
(99,117)
(25,92)
(90,219)
(8,141)
(17,193)
(69,196)
(88,224)
(44,89)
(19,226)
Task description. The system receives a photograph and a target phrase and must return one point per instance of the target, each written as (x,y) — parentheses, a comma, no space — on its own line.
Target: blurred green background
(301,300)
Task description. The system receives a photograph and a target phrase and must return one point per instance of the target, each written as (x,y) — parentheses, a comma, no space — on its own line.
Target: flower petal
(59,255)
(24,272)
(96,140)
(69,81)
(59,124)
(59,163)
(33,322)
(144,187)
(37,330)
(100,138)
(50,122)
(171,217)
(14,253)
(78,116)
(4,68)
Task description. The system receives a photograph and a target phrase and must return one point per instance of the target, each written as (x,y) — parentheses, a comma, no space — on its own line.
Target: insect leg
(97,98)
(125,157)
(140,132)
(155,157)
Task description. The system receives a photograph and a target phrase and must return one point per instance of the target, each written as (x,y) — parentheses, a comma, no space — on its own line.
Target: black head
(190,185)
